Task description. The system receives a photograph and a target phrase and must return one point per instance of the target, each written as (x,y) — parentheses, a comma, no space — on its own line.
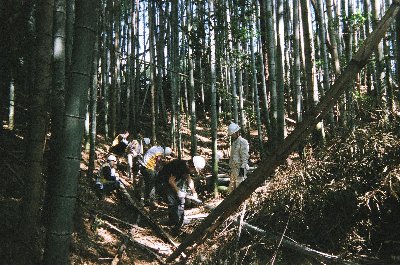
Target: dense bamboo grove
(76,69)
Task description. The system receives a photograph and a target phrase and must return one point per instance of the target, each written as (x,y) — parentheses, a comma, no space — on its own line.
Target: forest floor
(107,230)
(114,230)
(342,200)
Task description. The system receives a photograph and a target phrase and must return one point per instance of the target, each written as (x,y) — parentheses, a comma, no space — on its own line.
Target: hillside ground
(343,199)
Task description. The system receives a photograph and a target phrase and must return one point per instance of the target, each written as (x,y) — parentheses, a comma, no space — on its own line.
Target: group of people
(171,180)
(133,150)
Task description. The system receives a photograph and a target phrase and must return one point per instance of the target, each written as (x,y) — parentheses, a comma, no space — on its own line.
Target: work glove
(181,194)
(241,172)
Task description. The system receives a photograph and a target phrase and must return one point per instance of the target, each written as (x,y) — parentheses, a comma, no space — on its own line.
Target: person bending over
(150,166)
(176,178)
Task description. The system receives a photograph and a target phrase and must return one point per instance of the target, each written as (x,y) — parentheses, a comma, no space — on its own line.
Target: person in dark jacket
(176,179)
(119,144)
(108,179)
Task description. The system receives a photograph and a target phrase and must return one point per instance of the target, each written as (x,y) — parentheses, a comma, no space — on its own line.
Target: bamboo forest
(200,132)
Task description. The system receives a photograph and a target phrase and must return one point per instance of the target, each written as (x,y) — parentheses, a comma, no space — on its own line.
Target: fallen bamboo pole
(136,243)
(293,245)
(136,204)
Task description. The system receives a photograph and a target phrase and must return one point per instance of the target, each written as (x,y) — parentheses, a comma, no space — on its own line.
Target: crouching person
(176,178)
(107,180)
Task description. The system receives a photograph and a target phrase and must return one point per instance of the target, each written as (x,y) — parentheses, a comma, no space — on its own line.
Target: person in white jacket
(239,157)
(134,154)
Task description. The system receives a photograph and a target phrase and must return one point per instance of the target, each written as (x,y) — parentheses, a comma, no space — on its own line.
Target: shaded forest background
(73,74)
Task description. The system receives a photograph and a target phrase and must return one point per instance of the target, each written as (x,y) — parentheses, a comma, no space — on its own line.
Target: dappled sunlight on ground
(106,236)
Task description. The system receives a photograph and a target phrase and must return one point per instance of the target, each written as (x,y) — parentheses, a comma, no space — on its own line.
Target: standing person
(134,153)
(108,179)
(176,179)
(239,156)
(151,164)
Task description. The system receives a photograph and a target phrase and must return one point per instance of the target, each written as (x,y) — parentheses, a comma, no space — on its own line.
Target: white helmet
(146,140)
(167,151)
(199,162)
(232,128)
(112,158)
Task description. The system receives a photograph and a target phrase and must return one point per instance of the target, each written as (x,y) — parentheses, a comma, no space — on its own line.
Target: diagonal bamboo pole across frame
(267,167)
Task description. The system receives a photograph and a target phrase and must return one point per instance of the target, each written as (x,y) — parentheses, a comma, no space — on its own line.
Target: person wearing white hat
(107,177)
(174,180)
(239,157)
(151,163)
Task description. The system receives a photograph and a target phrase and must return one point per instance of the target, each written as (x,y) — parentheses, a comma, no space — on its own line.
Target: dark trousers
(176,208)
(105,189)
(149,177)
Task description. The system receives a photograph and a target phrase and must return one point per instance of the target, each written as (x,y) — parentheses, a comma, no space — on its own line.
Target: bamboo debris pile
(331,201)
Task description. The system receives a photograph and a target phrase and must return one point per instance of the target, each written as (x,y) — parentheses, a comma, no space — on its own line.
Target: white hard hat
(146,140)
(232,128)
(167,151)
(111,158)
(199,162)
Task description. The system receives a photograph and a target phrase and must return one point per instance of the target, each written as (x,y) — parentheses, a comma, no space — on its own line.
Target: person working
(144,143)
(239,157)
(134,154)
(150,166)
(107,177)
(176,179)
(119,144)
